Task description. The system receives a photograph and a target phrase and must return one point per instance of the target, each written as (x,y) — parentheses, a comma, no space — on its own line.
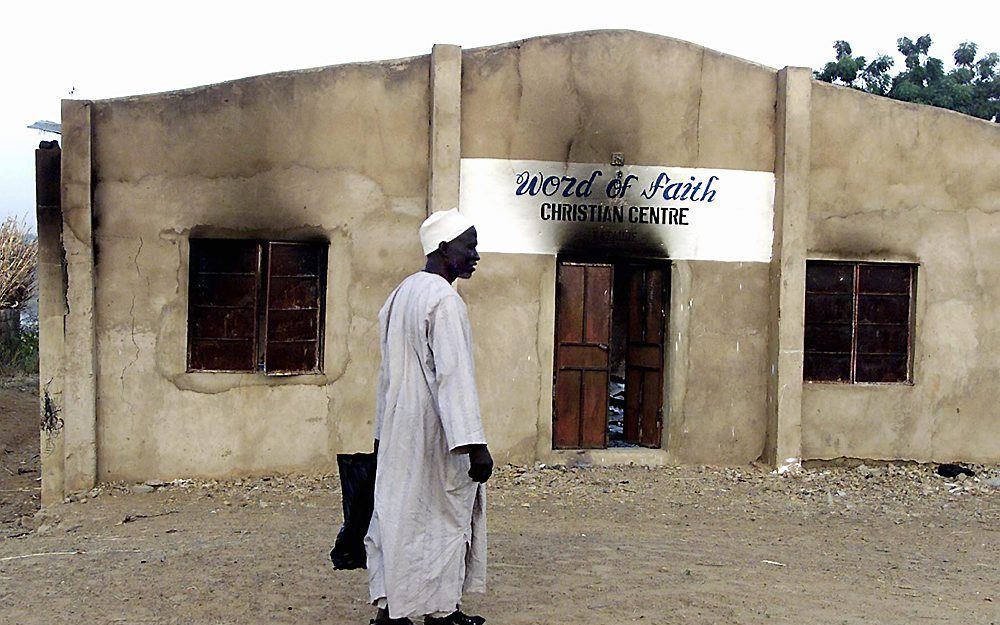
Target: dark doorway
(610,328)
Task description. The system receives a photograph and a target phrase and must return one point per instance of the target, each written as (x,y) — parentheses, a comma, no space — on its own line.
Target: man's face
(460,254)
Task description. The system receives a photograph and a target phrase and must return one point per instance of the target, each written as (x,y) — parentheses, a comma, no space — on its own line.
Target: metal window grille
(256,306)
(859,322)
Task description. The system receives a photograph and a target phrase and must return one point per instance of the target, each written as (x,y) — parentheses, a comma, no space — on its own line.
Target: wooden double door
(595,345)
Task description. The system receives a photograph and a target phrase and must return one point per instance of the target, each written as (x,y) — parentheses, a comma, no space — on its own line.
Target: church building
(687,257)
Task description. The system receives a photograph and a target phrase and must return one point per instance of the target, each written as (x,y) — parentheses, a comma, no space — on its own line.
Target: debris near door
(790,465)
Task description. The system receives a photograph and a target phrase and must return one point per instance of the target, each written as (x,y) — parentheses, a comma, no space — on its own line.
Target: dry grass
(18,260)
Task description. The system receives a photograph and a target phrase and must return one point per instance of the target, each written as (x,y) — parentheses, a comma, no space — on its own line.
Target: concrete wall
(659,101)
(894,181)
(52,310)
(338,153)
(510,309)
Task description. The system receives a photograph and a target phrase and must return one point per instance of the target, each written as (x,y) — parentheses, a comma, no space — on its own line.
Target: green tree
(856,71)
(971,87)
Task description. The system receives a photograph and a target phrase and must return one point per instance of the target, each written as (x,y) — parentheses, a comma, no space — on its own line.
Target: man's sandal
(391,621)
(455,618)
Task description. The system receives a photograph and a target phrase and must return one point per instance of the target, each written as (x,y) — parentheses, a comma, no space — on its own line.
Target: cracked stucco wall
(894,181)
(339,153)
(660,101)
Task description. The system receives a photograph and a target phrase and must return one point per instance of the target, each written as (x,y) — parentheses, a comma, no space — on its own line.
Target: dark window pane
(294,259)
(829,308)
(884,279)
(883,339)
(294,307)
(224,290)
(222,305)
(884,309)
(221,323)
(829,277)
(826,367)
(292,357)
(223,256)
(881,325)
(292,325)
(828,338)
(219,355)
(224,313)
(293,293)
(877,368)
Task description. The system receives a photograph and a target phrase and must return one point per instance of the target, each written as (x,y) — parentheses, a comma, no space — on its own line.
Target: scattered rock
(45,515)
(140,489)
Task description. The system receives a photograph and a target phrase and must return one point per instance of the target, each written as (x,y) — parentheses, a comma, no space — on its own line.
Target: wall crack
(131,315)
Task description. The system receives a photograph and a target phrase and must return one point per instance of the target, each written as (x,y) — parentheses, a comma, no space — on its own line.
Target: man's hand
(481,463)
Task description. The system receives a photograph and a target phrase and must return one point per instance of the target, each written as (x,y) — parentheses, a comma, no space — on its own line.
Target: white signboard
(543,207)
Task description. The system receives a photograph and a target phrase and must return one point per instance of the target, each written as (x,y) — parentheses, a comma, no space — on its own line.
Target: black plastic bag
(952,471)
(357,481)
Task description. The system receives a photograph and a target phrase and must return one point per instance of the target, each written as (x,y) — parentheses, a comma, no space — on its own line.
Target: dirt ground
(19,460)
(876,544)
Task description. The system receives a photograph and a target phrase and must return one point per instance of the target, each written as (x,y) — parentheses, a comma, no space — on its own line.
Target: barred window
(859,322)
(256,306)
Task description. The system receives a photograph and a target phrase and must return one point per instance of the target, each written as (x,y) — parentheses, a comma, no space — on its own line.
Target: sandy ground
(879,544)
(19,461)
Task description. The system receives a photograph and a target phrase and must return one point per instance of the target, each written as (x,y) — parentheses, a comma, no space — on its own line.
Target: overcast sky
(93,50)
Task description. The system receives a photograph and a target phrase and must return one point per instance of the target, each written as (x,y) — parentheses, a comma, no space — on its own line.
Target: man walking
(426,543)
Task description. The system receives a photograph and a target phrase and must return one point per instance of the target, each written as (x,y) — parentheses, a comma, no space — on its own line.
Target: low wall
(10,324)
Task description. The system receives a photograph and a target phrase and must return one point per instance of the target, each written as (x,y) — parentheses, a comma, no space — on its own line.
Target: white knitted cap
(442,226)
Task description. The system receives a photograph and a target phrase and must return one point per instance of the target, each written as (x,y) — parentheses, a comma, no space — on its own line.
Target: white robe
(427,540)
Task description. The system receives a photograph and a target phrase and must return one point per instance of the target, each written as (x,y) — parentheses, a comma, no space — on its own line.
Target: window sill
(859,384)
(218,381)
